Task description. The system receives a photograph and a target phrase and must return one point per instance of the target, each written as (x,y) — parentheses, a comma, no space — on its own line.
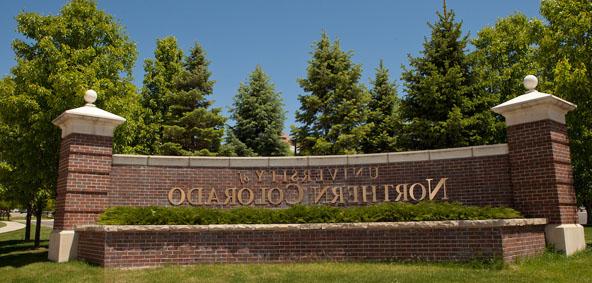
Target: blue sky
(278,35)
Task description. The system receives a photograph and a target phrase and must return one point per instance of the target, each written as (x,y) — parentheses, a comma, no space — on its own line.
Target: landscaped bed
(385,212)
(434,231)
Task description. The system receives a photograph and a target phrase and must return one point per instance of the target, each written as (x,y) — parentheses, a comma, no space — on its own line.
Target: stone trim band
(489,223)
(306,161)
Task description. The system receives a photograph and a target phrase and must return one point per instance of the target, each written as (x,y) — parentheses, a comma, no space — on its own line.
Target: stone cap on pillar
(534,106)
(88,119)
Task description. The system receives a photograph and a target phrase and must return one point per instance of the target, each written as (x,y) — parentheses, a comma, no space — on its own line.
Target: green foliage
(443,108)
(383,117)
(333,115)
(5,205)
(58,59)
(234,147)
(505,53)
(386,212)
(566,55)
(558,51)
(180,120)
(159,77)
(259,118)
(190,126)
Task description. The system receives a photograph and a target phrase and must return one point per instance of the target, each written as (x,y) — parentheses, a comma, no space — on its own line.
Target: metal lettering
(251,196)
(181,196)
(300,193)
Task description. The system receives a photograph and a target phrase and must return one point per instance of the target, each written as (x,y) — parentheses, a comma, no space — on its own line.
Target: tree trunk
(38,213)
(588,207)
(28,225)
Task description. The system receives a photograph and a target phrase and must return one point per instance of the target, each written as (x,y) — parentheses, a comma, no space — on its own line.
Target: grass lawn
(19,263)
(2,224)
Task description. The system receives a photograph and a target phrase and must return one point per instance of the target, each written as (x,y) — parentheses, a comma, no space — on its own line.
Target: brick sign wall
(531,173)
(473,175)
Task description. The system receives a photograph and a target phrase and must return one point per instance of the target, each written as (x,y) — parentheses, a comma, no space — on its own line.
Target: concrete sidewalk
(45,222)
(11,226)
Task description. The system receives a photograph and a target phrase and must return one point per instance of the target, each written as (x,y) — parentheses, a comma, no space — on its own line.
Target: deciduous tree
(504,54)
(60,57)
(566,55)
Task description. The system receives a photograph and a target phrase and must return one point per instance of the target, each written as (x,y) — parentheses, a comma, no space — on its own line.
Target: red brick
(154,248)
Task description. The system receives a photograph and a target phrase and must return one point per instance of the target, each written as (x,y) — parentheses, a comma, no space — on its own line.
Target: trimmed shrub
(385,212)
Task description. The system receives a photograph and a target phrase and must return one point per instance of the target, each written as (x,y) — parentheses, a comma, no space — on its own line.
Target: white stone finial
(533,106)
(90,96)
(530,82)
(88,119)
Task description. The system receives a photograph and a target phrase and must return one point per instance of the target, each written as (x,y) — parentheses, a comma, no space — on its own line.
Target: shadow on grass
(18,253)
(19,260)
(10,246)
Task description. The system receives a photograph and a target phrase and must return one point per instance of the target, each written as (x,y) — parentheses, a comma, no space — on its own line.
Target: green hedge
(386,212)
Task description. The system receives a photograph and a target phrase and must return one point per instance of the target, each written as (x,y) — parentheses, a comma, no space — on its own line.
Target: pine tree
(384,113)
(190,127)
(259,116)
(160,76)
(443,108)
(332,116)
(178,114)
(234,147)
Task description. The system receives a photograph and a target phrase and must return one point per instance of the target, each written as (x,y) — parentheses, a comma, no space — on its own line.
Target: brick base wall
(522,241)
(140,246)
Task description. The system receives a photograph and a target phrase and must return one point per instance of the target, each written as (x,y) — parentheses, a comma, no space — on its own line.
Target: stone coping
(489,223)
(309,161)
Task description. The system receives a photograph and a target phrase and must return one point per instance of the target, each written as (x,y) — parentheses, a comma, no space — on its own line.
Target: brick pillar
(540,164)
(83,175)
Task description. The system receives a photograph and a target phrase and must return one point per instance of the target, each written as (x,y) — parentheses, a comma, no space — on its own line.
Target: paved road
(11,226)
(46,223)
